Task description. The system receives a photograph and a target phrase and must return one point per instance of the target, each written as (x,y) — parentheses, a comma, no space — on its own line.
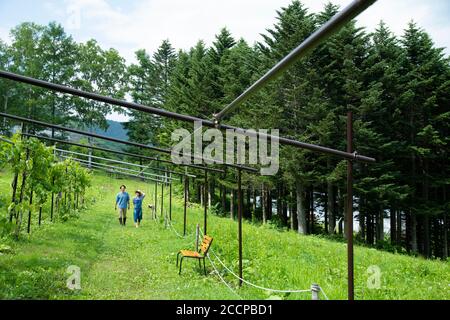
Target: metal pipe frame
(138,173)
(101,167)
(114,161)
(307,46)
(119,152)
(93,135)
(240,214)
(349,211)
(105,166)
(168,114)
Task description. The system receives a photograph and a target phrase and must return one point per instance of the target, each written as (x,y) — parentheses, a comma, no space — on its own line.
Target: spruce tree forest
(398,88)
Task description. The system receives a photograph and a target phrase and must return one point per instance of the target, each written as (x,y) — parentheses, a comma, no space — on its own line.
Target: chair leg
(204,265)
(181,263)
(178,255)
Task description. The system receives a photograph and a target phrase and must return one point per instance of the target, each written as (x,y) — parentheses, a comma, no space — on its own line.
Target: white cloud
(4,35)
(145,23)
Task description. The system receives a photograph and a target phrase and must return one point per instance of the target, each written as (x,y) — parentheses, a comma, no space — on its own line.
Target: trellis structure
(327,30)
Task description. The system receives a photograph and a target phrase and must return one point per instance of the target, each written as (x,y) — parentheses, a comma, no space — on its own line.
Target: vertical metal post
(156,198)
(162,198)
(40,215)
(197,234)
(13,200)
(51,206)
(350,262)
(185,204)
(53,185)
(29,212)
(240,225)
(205,195)
(315,290)
(170,199)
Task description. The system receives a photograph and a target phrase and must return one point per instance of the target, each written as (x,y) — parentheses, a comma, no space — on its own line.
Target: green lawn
(130,263)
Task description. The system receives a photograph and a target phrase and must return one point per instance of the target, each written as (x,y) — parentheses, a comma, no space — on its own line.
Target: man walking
(123,202)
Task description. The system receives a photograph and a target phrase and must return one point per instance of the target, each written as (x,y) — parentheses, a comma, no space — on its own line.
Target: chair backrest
(206,243)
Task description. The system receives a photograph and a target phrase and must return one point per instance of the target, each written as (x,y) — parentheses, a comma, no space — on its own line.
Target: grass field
(130,263)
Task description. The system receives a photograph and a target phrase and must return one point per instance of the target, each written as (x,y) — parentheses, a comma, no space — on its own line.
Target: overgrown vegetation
(38,177)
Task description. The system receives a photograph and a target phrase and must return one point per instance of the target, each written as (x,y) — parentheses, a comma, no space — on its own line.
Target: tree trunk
(200,190)
(232,204)
(301,211)
(248,206)
(263,203)
(398,237)
(279,209)
(426,220)
(325,214)
(254,205)
(380,225)
(224,198)
(291,212)
(331,203)
(426,236)
(362,218)
(393,227)
(269,204)
(445,238)
(311,209)
(413,231)
(341,213)
(209,195)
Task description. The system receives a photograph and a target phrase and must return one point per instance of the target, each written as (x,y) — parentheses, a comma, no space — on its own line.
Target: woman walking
(137,202)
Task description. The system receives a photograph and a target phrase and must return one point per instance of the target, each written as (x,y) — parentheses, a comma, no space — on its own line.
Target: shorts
(122,213)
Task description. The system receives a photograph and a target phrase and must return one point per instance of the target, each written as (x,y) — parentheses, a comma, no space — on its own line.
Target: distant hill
(115,130)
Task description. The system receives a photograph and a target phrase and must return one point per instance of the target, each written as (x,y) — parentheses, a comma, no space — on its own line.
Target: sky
(143,24)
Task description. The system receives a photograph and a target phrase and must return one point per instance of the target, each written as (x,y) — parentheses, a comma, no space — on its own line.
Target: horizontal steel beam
(172,115)
(94,135)
(116,171)
(328,29)
(118,152)
(105,166)
(113,161)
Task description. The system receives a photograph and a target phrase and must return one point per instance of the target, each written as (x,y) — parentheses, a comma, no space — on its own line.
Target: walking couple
(123,203)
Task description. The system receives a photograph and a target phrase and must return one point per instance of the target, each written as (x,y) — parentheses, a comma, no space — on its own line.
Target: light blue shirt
(122,200)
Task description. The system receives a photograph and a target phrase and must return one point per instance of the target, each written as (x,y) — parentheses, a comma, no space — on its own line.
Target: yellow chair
(199,255)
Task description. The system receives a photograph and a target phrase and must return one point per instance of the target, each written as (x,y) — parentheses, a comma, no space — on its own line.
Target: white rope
(176,232)
(255,285)
(324,294)
(221,278)
(252,284)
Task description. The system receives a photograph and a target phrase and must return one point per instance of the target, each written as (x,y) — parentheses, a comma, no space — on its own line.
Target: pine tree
(57,52)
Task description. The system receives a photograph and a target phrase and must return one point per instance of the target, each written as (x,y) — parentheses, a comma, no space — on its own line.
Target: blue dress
(137,201)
